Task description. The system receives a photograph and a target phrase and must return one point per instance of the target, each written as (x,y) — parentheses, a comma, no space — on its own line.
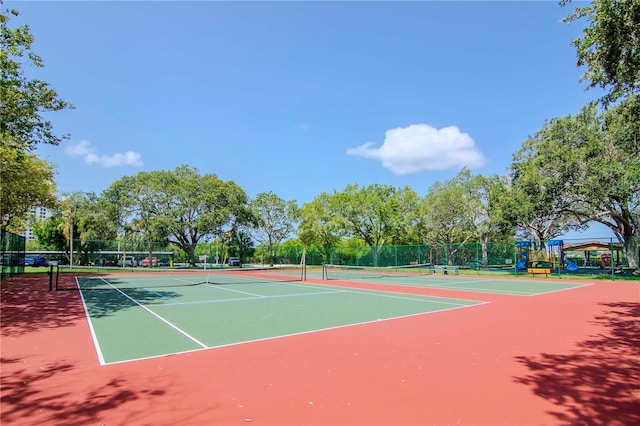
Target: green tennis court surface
(414,277)
(138,317)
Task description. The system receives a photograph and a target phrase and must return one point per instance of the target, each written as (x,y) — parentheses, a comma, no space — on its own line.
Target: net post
(303,263)
(57,275)
(50,273)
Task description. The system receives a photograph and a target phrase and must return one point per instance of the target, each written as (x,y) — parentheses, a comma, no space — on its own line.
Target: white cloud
(87,152)
(422,147)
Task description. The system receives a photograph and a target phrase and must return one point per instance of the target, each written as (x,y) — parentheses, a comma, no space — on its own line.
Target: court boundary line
(218,287)
(441,285)
(365,292)
(167,322)
(280,296)
(417,300)
(377,293)
(302,333)
(94,336)
(562,289)
(150,291)
(387,292)
(395,292)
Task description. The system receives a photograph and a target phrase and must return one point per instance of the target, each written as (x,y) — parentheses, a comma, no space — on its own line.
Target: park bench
(445,269)
(539,268)
(539,271)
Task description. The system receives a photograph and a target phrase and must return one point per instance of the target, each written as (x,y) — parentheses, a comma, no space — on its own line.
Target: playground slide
(571,266)
(521,266)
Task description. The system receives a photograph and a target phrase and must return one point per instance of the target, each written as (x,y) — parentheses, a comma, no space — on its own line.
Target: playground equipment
(605,260)
(437,257)
(523,255)
(557,254)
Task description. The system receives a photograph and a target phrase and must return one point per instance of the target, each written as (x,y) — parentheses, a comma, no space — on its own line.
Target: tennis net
(74,278)
(347,272)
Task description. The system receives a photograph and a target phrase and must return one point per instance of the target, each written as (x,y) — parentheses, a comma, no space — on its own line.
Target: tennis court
(142,316)
(416,276)
(330,352)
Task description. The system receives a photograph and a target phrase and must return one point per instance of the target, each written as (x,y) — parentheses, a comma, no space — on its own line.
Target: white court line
(561,289)
(418,299)
(302,333)
(452,286)
(93,332)
(469,281)
(397,285)
(232,290)
(149,290)
(380,293)
(444,285)
(184,333)
(241,299)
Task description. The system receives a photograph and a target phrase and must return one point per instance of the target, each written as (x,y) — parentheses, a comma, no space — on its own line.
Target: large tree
(609,47)
(81,217)
(608,188)
(377,214)
(180,206)
(25,180)
(581,169)
(539,193)
(275,220)
(459,210)
(319,225)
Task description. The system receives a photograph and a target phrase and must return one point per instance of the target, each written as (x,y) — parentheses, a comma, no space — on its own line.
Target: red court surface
(565,358)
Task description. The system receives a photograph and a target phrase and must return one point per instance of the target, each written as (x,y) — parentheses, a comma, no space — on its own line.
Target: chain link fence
(592,256)
(12,250)
(589,256)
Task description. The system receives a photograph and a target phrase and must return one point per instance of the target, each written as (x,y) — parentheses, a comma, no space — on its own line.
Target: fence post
(613,271)
(50,277)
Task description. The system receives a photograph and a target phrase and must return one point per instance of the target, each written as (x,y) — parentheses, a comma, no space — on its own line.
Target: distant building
(38,213)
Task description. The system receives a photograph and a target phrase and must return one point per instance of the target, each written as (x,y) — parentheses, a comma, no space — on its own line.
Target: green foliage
(462,209)
(377,214)
(49,235)
(274,220)
(581,169)
(319,226)
(24,100)
(350,250)
(542,178)
(179,206)
(239,243)
(25,181)
(610,46)
(81,217)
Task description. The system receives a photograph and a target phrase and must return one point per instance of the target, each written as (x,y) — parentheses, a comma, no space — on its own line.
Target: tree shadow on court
(600,382)
(23,396)
(106,302)
(28,306)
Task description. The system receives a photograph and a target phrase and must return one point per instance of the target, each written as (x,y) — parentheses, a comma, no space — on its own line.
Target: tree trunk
(485,252)
(631,247)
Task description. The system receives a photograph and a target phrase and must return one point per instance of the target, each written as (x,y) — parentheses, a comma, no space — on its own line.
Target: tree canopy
(581,169)
(274,220)
(610,46)
(179,206)
(24,99)
(25,180)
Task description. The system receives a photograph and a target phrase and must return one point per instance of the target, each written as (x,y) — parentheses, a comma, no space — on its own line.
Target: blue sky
(300,98)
